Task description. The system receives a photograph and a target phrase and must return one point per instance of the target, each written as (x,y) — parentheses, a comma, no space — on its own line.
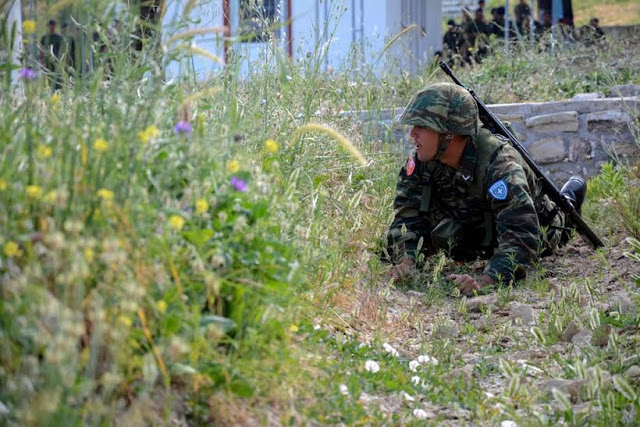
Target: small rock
(476,304)
(633,374)
(602,335)
(570,331)
(524,313)
(622,304)
(446,329)
(571,388)
(483,323)
(465,372)
(582,338)
(605,377)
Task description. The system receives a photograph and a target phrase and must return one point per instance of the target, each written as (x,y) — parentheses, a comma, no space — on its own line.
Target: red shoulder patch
(411,165)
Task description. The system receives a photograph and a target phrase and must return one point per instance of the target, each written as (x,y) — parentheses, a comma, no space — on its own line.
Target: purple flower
(238,184)
(182,128)
(27,74)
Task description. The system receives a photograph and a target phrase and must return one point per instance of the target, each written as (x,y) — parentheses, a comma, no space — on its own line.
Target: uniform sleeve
(514,214)
(408,224)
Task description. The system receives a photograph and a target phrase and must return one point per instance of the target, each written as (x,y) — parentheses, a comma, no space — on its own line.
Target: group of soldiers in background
(468,42)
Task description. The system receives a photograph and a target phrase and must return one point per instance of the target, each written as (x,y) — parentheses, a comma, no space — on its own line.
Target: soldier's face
(426,143)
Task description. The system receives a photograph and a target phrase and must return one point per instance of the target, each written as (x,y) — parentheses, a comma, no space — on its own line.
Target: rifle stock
(496,126)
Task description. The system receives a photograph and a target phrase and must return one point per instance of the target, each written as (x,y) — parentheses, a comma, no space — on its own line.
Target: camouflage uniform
(491,205)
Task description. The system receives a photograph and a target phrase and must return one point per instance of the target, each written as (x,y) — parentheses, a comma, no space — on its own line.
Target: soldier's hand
(402,270)
(468,285)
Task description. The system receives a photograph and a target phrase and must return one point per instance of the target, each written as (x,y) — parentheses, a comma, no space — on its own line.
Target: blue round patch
(499,190)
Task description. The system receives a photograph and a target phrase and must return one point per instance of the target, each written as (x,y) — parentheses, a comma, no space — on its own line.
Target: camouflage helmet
(445,108)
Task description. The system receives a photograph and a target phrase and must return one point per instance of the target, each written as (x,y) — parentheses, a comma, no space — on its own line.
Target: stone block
(548,150)
(579,150)
(587,96)
(511,117)
(625,91)
(566,121)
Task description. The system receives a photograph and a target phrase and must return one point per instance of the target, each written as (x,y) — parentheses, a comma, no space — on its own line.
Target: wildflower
(238,184)
(426,359)
(88,255)
(294,328)
(420,414)
(27,74)
(101,145)
(34,191)
(371,366)
(271,145)
(415,379)
(43,151)
(55,99)
(3,184)
(161,306)
(413,365)
(508,423)
(148,134)
(202,206)
(12,250)
(125,320)
(104,194)
(50,197)
(344,390)
(176,222)
(182,128)
(408,397)
(28,26)
(389,349)
(233,166)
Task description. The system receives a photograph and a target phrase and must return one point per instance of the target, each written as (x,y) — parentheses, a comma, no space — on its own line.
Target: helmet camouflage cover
(445,108)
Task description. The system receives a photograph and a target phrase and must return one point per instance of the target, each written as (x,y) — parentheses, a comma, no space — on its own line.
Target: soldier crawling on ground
(469,192)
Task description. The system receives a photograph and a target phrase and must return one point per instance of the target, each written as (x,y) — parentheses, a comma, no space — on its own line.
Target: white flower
(413,365)
(415,380)
(408,397)
(489,395)
(344,390)
(427,359)
(508,423)
(316,327)
(372,366)
(420,414)
(390,350)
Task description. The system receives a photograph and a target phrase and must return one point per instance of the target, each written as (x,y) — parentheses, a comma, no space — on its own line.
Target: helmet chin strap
(450,148)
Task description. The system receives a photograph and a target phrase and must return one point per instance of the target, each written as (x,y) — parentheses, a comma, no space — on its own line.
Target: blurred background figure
(50,49)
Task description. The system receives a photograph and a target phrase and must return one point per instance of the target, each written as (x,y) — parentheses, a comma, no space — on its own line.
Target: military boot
(575,189)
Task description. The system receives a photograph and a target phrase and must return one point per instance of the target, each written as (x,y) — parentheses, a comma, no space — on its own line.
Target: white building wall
(334,25)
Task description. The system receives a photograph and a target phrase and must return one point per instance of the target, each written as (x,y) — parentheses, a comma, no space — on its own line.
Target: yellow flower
(3,184)
(89,255)
(161,306)
(294,328)
(271,145)
(34,191)
(43,151)
(28,26)
(233,166)
(176,222)
(11,249)
(125,320)
(202,206)
(51,196)
(55,98)
(148,134)
(101,145)
(105,194)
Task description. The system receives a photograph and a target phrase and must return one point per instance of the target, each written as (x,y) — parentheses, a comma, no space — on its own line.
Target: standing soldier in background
(470,193)
(452,40)
(50,50)
(522,11)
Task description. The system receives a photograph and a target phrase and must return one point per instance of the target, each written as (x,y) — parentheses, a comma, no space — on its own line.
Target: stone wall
(564,137)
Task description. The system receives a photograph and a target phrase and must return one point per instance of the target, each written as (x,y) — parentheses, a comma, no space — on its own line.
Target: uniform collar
(468,161)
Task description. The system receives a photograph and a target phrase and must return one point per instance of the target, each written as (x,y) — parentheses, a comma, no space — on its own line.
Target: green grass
(138,285)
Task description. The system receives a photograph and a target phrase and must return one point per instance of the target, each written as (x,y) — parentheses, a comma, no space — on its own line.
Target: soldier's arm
(408,225)
(515,217)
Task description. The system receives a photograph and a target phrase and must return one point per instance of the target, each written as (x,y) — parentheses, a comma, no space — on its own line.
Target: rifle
(497,127)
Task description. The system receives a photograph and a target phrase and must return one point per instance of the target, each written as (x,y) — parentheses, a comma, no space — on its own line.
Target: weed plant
(171,248)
